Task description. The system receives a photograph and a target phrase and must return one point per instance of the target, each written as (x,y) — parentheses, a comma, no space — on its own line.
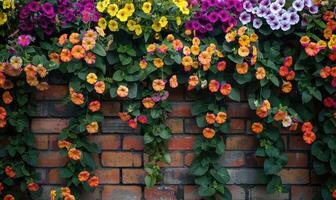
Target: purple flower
(291,10)
(308,3)
(248,7)
(275,25)
(298,5)
(285,17)
(265,2)
(239,6)
(205,6)
(257,23)
(245,17)
(48,9)
(275,7)
(165,96)
(224,15)
(281,2)
(34,6)
(209,27)
(313,9)
(212,2)
(262,11)
(285,26)
(195,25)
(24,40)
(213,17)
(294,18)
(24,12)
(271,18)
(232,21)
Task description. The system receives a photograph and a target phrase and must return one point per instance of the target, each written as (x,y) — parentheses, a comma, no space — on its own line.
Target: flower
(9,197)
(287,121)
(99,87)
(143,64)
(214,86)
(92,127)
(122,15)
(225,89)
(242,68)
(91,78)
(306,127)
(102,23)
(221,117)
(280,115)
(112,9)
(158,85)
(88,43)
(132,123)
(7,97)
(193,81)
(309,137)
(63,144)
(148,102)
(260,73)
(156,26)
(83,176)
(163,21)
(62,39)
(33,187)
(78,52)
(210,118)
(93,181)
(173,82)
(77,98)
(208,133)
(257,127)
(243,51)
(221,66)
(122,91)
(24,40)
(124,116)
(66,55)
(286,87)
(204,57)
(74,38)
(74,154)
(329,102)
(147,7)
(10,172)
(158,63)
(90,58)
(142,119)
(312,49)
(94,106)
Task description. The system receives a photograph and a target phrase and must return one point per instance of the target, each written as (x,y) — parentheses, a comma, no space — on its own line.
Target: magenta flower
(24,40)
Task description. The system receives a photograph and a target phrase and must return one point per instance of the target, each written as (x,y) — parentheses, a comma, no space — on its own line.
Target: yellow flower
(178,20)
(113,25)
(156,26)
(138,30)
(100,6)
(163,21)
(91,78)
(158,63)
(122,15)
(106,3)
(244,40)
(185,10)
(102,23)
(3,18)
(112,9)
(6,4)
(100,31)
(131,25)
(129,7)
(147,7)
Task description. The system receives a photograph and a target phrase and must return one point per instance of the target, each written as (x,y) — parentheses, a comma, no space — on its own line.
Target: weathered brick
(41,142)
(254,161)
(294,176)
(238,193)
(180,109)
(176,160)
(303,192)
(237,126)
(133,142)
(55,92)
(181,142)
(161,192)
(121,159)
(110,109)
(190,192)
(176,94)
(233,159)
(297,160)
(133,176)
(95,195)
(106,142)
(176,125)
(245,176)
(55,109)
(238,109)
(43,174)
(297,143)
(108,176)
(190,126)
(241,142)
(188,158)
(177,176)
(51,159)
(111,192)
(53,142)
(117,126)
(316,179)
(260,193)
(49,125)
(54,177)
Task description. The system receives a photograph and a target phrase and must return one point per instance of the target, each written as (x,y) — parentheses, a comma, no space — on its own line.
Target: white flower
(287,122)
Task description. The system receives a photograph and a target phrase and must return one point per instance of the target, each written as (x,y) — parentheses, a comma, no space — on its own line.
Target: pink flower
(142,119)
(24,40)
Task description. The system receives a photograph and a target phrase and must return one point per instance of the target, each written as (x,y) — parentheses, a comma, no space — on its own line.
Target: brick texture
(121,163)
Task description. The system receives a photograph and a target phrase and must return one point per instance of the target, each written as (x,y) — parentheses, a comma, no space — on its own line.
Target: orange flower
(333,72)
(260,73)
(195,50)
(66,55)
(304,41)
(62,39)
(214,86)
(132,123)
(94,106)
(254,37)
(163,48)
(208,133)
(88,43)
(7,97)
(122,91)
(42,71)
(77,98)
(148,102)
(54,57)
(2,79)
(221,66)
(3,113)
(78,52)
(99,87)
(243,51)
(196,41)
(170,37)
(92,127)
(158,63)
(288,61)
(242,68)
(151,48)
(312,49)
(262,111)
(63,144)
(193,81)
(90,34)
(65,191)
(177,45)
(173,82)
(93,181)
(32,80)
(74,154)
(33,187)
(69,197)
(74,38)
(210,118)
(143,64)
(90,58)
(187,61)
(186,51)
(10,172)
(283,71)
(294,126)
(124,116)
(9,197)
(225,89)
(287,87)
(2,123)
(204,58)
(242,30)
(280,115)
(257,127)
(306,127)
(221,117)
(83,176)
(325,72)
(30,70)
(290,76)
(309,137)
(158,85)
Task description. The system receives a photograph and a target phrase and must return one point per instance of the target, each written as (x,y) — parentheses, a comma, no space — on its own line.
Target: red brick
(48,125)
(241,142)
(55,92)
(254,161)
(176,125)
(106,141)
(233,159)
(118,192)
(260,193)
(188,158)
(133,142)
(181,142)
(238,109)
(133,176)
(237,126)
(41,142)
(108,176)
(110,108)
(297,160)
(238,193)
(176,94)
(176,160)
(191,126)
(161,192)
(294,176)
(190,193)
(53,140)
(297,143)
(121,159)
(181,109)
(54,177)
(51,159)
(303,192)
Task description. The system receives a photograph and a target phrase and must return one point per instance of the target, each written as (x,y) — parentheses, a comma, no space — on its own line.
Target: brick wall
(120,166)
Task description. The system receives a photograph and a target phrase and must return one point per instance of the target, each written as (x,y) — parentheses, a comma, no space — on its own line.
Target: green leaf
(65,173)
(333,164)
(236,59)
(99,50)
(206,191)
(320,167)
(271,166)
(124,59)
(118,75)
(220,175)
(274,184)
(320,151)
(132,90)
(306,97)
(235,94)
